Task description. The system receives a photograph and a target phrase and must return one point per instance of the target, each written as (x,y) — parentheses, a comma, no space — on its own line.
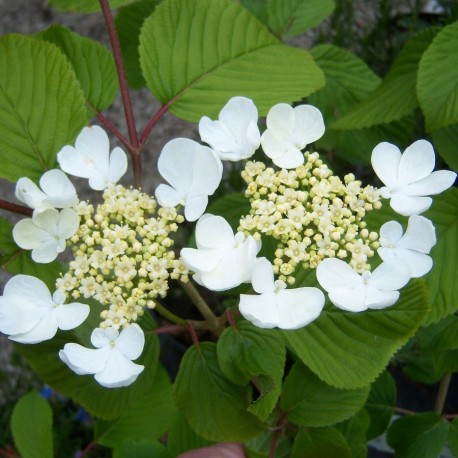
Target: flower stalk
(15,208)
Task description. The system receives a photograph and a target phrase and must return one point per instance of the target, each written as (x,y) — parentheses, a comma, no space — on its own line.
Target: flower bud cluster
(122,254)
(312,213)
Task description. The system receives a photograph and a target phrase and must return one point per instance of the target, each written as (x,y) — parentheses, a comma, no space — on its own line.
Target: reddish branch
(15,208)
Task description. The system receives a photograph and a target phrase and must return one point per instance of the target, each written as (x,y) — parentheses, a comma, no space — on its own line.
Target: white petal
(238,113)
(390,233)
(336,274)
(47,251)
(118,371)
(68,223)
(290,159)
(29,193)
(167,196)
(408,205)
(213,232)
(416,163)
(350,299)
(389,276)
(385,162)
(281,118)
(70,316)
(260,310)
(118,165)
(82,360)
(103,337)
(207,171)
(218,136)
(386,253)
(227,274)
(47,220)
(201,260)
(195,207)
(59,189)
(418,263)
(433,184)
(45,329)
(309,125)
(28,236)
(377,299)
(298,307)
(263,277)
(131,341)
(420,235)
(28,288)
(94,143)
(274,145)
(17,317)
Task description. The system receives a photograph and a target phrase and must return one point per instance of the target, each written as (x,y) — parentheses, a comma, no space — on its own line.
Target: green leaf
(453,437)
(380,404)
(15,260)
(195,55)
(93,65)
(396,96)
(142,449)
(439,336)
(250,352)
(292,17)
(231,207)
(349,350)
(441,281)
(257,8)
(445,141)
(83,389)
(310,402)
(31,425)
(320,443)
(215,407)
(85,6)
(354,430)
(148,417)
(182,438)
(437,75)
(41,106)
(259,446)
(129,21)
(418,436)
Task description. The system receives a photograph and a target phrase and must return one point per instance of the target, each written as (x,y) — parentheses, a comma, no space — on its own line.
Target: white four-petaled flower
(193,171)
(28,313)
(235,136)
(57,191)
(91,159)
(289,130)
(221,260)
(409,178)
(277,306)
(111,361)
(412,248)
(356,292)
(46,233)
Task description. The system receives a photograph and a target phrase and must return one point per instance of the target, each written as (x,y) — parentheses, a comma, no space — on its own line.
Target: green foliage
(41,106)
(437,76)
(148,417)
(310,402)
(320,443)
(250,352)
(354,430)
(203,392)
(445,141)
(453,437)
(142,449)
(182,438)
(92,63)
(85,6)
(216,50)
(380,404)
(371,338)
(31,424)
(418,436)
(259,446)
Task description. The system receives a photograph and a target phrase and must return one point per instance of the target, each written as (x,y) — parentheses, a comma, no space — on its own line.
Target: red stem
(149,127)
(231,321)
(15,208)
(195,339)
(166,329)
(126,101)
(87,449)
(278,429)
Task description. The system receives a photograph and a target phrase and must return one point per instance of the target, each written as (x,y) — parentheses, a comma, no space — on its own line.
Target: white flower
(351,291)
(221,260)
(46,232)
(277,306)
(56,191)
(91,159)
(193,171)
(412,247)
(236,135)
(28,313)
(409,177)
(289,130)
(111,361)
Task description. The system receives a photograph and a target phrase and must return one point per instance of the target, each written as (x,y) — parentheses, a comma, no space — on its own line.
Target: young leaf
(322,442)
(148,417)
(251,352)
(445,141)
(31,425)
(418,436)
(93,65)
(292,17)
(396,96)
(349,350)
(437,75)
(310,402)
(203,392)
(380,404)
(85,6)
(41,106)
(195,55)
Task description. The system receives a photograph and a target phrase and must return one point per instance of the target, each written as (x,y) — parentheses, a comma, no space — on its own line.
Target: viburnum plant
(307,283)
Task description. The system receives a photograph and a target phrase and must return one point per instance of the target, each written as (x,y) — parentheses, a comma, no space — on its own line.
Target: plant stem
(442,393)
(126,101)
(15,208)
(169,315)
(278,429)
(202,306)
